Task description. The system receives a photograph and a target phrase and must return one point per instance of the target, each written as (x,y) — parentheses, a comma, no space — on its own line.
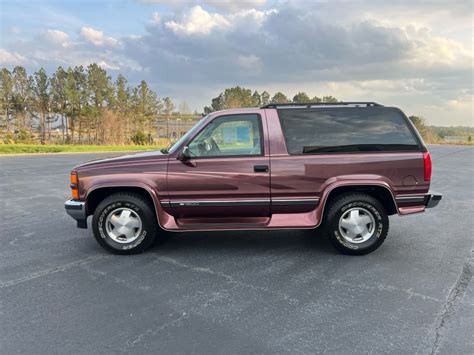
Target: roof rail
(314,104)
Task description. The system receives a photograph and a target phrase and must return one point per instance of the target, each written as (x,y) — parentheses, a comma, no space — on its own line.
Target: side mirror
(184,155)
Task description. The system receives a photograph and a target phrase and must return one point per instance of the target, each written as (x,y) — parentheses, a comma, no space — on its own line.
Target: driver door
(226,175)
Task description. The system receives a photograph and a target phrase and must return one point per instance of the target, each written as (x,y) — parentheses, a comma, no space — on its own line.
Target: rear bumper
(432,200)
(408,204)
(77,210)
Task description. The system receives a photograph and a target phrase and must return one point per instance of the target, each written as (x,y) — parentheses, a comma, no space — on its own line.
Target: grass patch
(70,148)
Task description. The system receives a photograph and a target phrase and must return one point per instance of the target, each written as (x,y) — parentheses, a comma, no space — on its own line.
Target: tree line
(241,97)
(86,106)
(83,103)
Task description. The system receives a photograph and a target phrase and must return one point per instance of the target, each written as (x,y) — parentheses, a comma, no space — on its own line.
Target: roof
(322,104)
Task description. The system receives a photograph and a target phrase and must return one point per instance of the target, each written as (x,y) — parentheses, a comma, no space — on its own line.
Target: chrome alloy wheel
(357,225)
(123,225)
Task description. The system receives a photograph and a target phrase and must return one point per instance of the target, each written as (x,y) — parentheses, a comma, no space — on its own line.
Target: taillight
(428,165)
(74,187)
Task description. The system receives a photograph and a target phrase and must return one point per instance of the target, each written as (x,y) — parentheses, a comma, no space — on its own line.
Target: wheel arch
(97,194)
(380,191)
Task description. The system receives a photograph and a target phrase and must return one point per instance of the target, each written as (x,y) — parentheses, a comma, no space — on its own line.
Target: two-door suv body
(344,166)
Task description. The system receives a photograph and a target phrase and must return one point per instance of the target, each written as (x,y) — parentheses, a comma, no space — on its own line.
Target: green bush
(139,138)
(23,137)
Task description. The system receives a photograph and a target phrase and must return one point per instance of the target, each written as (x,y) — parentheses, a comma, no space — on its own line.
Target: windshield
(184,138)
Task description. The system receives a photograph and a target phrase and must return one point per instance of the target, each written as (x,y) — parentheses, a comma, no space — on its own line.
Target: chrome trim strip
(278,202)
(218,203)
(228,203)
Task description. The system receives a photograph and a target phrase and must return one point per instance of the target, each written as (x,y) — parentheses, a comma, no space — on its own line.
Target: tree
(265,98)
(279,98)
(301,97)
(427,132)
(168,108)
(77,99)
(235,97)
(329,99)
(85,100)
(146,107)
(101,93)
(122,104)
(59,98)
(218,102)
(21,99)
(420,124)
(316,100)
(42,101)
(184,108)
(256,99)
(6,96)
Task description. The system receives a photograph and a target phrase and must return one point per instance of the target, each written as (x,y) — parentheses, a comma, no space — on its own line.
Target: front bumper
(77,210)
(432,200)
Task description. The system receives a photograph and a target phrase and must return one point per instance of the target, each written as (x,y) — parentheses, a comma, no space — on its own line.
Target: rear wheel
(124,224)
(356,223)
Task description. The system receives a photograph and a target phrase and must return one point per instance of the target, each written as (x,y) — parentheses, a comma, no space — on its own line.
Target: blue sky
(415,55)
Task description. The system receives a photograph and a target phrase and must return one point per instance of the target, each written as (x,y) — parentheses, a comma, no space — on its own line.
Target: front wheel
(356,224)
(124,224)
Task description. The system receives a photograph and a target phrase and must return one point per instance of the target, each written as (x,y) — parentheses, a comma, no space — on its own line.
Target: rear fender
(376,181)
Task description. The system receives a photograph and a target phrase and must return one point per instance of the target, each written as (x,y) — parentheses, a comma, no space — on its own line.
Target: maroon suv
(345,167)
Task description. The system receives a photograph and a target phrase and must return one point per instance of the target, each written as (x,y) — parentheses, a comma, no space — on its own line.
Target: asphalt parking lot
(233,292)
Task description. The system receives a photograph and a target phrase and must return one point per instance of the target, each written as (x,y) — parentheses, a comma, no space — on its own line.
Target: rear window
(342,130)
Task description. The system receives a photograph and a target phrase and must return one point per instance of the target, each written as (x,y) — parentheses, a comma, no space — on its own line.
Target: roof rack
(313,104)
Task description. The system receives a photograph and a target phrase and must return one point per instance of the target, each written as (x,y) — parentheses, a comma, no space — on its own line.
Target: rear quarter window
(342,130)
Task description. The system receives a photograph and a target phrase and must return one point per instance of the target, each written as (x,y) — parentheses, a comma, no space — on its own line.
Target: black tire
(365,204)
(141,208)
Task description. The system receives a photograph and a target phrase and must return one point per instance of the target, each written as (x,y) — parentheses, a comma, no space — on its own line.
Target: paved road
(258,292)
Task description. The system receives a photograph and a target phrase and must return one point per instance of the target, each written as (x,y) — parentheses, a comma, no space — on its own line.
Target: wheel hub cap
(357,225)
(123,225)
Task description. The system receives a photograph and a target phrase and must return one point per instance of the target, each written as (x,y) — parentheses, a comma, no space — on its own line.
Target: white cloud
(234,5)
(155,18)
(11,58)
(97,37)
(198,22)
(437,51)
(107,66)
(412,55)
(249,20)
(57,37)
(227,5)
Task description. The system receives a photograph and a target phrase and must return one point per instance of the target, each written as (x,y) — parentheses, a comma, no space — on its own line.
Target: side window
(233,135)
(344,130)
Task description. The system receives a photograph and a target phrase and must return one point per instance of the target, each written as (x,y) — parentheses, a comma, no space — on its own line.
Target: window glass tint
(228,135)
(350,129)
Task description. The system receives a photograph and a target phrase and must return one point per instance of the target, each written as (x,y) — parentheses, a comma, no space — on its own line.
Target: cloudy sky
(415,55)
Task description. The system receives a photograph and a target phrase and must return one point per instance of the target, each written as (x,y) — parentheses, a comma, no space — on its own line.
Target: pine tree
(59,99)
(42,102)
(279,98)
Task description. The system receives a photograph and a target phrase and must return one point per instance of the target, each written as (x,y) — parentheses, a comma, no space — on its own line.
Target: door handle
(260,168)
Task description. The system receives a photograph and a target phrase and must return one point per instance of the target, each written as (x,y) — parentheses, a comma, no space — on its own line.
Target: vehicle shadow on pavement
(291,241)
